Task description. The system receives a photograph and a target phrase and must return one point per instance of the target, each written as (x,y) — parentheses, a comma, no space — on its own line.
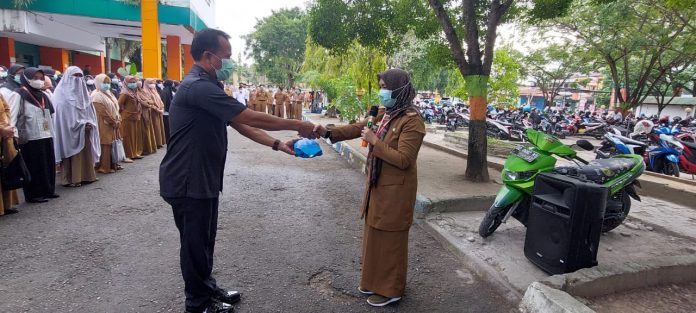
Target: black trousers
(41,162)
(196,220)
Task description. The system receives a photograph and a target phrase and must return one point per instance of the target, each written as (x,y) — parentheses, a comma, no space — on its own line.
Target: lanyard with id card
(42,104)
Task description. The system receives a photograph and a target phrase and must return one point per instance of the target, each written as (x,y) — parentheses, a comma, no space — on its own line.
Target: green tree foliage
(277,45)
(551,67)
(341,76)
(638,41)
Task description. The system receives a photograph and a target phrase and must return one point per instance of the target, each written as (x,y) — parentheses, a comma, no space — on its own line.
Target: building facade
(59,33)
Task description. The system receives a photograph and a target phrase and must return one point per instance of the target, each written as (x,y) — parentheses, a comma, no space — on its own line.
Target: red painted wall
(57,58)
(115,64)
(96,62)
(7,51)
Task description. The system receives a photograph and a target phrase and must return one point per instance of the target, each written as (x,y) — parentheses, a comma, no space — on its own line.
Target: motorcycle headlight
(510,175)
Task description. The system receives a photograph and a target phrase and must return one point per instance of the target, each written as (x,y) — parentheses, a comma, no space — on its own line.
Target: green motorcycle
(619,173)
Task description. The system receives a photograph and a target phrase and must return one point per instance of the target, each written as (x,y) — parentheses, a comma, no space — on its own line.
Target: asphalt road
(289,238)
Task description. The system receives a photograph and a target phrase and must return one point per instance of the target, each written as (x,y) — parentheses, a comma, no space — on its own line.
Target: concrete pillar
(7,51)
(188,59)
(174,57)
(152,43)
(57,58)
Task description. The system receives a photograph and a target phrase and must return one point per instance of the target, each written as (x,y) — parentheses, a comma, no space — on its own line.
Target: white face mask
(151,86)
(90,82)
(37,84)
(161,86)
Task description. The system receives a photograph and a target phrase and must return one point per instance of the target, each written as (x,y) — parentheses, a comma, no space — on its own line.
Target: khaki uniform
(280,101)
(298,106)
(251,104)
(262,100)
(388,206)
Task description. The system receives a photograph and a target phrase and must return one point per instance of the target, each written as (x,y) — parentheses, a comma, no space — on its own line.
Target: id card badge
(45,125)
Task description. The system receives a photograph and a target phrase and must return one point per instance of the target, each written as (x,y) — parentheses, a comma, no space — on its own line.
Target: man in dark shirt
(191,172)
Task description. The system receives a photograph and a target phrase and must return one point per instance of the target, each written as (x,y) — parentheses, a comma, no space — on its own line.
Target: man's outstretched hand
(288,147)
(306,130)
(319,131)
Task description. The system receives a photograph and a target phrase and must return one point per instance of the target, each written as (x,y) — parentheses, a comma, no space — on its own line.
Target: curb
(557,293)
(540,298)
(478,266)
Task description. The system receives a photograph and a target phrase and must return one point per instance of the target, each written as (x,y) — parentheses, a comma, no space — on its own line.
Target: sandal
(73,185)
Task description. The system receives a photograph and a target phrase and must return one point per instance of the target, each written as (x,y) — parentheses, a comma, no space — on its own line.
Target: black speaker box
(565,223)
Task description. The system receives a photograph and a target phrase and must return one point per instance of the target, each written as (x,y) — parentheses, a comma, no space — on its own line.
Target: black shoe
(53,196)
(37,200)
(11,211)
(230,297)
(217,307)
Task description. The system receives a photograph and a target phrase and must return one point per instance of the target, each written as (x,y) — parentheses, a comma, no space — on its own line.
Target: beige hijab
(152,92)
(105,97)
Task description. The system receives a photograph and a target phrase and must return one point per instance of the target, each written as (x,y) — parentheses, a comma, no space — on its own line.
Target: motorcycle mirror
(582,143)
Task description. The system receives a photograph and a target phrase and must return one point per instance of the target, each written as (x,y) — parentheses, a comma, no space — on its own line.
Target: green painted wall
(28,53)
(112,9)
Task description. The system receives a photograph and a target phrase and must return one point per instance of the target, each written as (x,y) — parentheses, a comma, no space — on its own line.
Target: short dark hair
(207,39)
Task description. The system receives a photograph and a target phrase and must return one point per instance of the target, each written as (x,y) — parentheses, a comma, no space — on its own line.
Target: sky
(237,18)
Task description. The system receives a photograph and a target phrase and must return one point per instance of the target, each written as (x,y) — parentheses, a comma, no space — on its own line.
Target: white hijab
(74,110)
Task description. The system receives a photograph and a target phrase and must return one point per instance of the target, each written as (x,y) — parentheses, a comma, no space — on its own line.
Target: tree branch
(451,35)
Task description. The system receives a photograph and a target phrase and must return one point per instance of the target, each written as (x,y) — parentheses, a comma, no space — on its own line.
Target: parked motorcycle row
(666,146)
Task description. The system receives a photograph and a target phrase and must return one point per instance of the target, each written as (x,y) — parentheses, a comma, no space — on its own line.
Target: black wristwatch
(276,144)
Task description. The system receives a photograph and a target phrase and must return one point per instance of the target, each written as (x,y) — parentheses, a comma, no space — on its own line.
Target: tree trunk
(477,165)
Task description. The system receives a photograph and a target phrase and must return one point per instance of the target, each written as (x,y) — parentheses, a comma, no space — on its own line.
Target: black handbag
(15,174)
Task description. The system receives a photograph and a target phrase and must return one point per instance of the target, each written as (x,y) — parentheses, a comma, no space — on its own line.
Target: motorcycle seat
(691,145)
(631,141)
(599,171)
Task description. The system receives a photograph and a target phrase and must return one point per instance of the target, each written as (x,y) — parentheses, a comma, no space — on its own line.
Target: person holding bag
(108,121)
(34,120)
(392,182)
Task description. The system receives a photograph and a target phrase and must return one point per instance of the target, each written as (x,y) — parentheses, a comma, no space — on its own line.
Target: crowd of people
(77,125)
(278,101)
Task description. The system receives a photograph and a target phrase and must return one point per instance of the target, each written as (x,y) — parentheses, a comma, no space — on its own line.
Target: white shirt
(241,96)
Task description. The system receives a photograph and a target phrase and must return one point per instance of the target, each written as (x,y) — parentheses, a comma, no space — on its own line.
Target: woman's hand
(369,136)
(7,132)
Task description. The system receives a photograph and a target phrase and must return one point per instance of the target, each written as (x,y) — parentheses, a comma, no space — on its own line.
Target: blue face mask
(132,85)
(18,78)
(105,86)
(385,98)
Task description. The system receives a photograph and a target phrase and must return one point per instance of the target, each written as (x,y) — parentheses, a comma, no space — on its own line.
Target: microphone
(373,115)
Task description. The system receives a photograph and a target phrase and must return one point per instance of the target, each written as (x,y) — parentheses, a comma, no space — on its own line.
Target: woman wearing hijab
(33,118)
(7,131)
(131,126)
(156,113)
(10,83)
(48,86)
(392,182)
(106,105)
(148,130)
(167,95)
(76,133)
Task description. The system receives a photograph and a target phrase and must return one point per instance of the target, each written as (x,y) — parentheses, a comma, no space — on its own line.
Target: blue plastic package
(307,148)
